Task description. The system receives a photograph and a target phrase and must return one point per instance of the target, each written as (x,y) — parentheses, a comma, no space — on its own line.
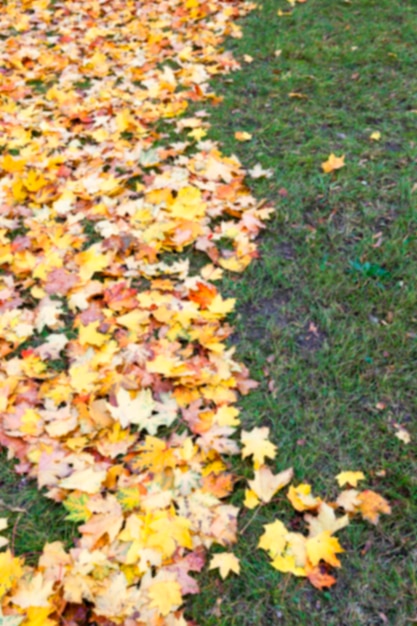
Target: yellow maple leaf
(225,562)
(19,191)
(294,558)
(266,484)
(197,133)
(155,454)
(301,497)
(274,538)
(89,335)
(168,532)
(333,163)
(33,591)
(10,571)
(39,616)
(82,378)
(257,445)
(323,547)
(165,595)
(371,504)
(163,364)
(34,181)
(11,165)
(349,478)
(348,500)
(227,416)
(31,422)
(219,306)
(188,204)
(325,520)
(88,480)
(91,261)
(132,410)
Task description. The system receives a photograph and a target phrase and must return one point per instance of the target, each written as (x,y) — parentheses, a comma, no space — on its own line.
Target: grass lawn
(326,319)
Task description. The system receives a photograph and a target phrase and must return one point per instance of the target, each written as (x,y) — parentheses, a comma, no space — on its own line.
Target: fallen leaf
(165,596)
(301,498)
(333,163)
(225,562)
(349,478)
(256,444)
(242,136)
(323,547)
(371,504)
(403,435)
(266,484)
(325,520)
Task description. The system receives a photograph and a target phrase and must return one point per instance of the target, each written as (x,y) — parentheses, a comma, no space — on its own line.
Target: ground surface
(326,318)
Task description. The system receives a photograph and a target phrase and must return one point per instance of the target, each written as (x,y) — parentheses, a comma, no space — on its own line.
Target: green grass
(323,262)
(328,312)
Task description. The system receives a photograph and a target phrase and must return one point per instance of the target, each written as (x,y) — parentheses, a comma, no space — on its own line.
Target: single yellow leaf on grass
(333,163)
(226,562)
(242,136)
(266,484)
(165,595)
(301,497)
(375,136)
(403,435)
(324,547)
(256,444)
(371,504)
(349,478)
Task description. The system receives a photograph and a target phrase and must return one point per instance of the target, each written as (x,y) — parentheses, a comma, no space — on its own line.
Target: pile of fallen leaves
(117,390)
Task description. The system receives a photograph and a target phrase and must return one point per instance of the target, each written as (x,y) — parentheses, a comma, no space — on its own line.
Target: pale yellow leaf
(165,595)
(226,562)
(256,444)
(266,484)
